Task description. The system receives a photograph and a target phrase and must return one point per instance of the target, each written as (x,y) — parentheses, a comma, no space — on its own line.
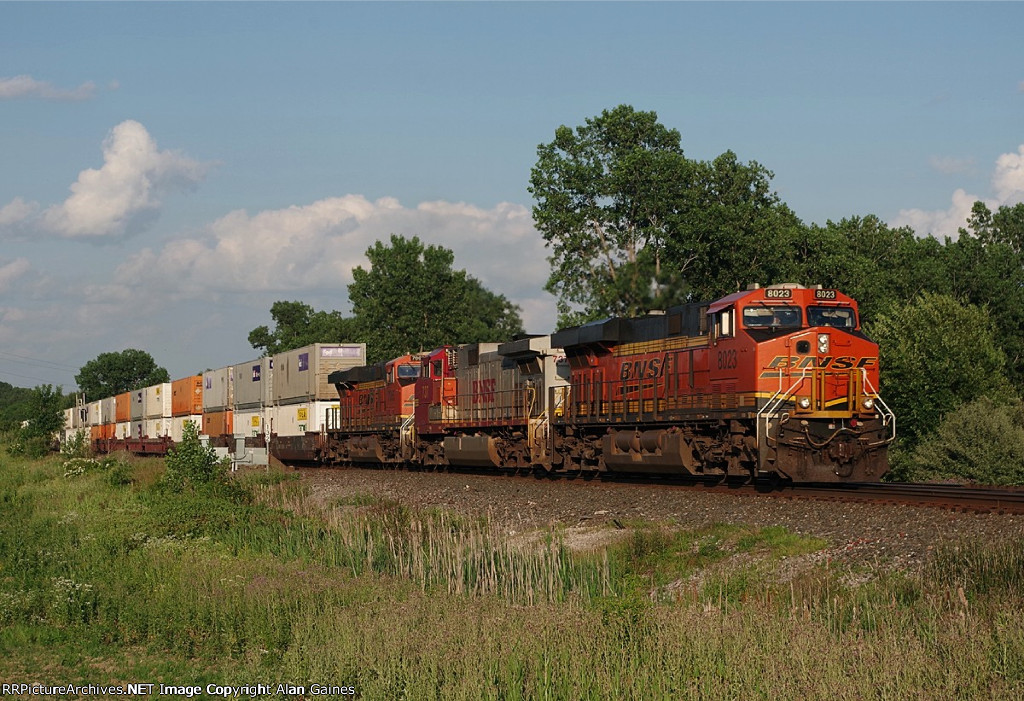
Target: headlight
(823,343)
(804,403)
(868,404)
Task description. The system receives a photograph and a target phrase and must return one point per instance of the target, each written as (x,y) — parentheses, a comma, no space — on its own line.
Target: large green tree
(411,299)
(113,373)
(936,355)
(633,224)
(297,324)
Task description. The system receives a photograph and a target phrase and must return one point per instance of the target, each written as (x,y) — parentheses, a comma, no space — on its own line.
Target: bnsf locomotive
(778,382)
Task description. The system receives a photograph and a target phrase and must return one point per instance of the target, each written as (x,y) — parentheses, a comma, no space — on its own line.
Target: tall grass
(119,579)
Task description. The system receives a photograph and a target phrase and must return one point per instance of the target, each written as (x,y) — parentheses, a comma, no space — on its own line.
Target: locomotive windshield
(408,371)
(772,317)
(837,317)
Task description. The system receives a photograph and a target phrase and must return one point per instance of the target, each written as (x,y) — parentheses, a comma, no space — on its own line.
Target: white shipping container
(218,387)
(69,420)
(178,426)
(138,406)
(157,401)
(300,375)
(123,430)
(252,422)
(108,410)
(299,419)
(157,428)
(93,410)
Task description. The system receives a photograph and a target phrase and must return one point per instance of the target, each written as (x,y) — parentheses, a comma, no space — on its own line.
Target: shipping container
(178,425)
(253,422)
(138,408)
(69,419)
(108,410)
(299,419)
(300,375)
(157,401)
(93,410)
(123,408)
(187,396)
(253,382)
(158,428)
(218,394)
(218,423)
(122,430)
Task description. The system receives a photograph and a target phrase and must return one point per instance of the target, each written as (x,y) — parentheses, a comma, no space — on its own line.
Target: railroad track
(943,496)
(952,497)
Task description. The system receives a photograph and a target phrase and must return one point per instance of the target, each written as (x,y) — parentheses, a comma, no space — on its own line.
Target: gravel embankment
(877,536)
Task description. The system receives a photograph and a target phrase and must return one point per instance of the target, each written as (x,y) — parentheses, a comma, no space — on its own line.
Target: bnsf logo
(839,362)
(642,369)
(483,391)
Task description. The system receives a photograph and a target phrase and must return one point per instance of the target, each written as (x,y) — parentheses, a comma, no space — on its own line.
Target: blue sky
(168,171)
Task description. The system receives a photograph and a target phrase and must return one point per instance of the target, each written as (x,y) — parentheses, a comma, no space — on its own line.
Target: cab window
(724,323)
(836,317)
(772,317)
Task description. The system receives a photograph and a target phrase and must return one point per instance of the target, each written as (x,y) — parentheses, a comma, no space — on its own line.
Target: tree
(45,418)
(936,355)
(607,194)
(634,225)
(875,264)
(411,299)
(297,324)
(982,441)
(110,374)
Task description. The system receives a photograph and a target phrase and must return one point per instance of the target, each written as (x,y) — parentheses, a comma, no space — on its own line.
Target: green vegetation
(110,374)
(106,575)
(410,299)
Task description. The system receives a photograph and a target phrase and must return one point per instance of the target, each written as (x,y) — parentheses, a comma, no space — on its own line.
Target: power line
(27,360)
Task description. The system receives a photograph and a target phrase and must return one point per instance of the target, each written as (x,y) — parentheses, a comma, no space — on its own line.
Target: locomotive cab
(820,417)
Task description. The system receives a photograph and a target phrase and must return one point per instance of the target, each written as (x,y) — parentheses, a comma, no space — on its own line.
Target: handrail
(888,416)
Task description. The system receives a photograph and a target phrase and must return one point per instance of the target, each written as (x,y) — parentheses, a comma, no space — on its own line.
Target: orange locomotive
(774,382)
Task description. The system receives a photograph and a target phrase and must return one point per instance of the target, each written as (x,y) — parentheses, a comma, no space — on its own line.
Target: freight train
(774,383)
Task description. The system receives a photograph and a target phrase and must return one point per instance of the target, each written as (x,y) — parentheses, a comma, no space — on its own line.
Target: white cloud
(315,246)
(17,211)
(25,86)
(120,198)
(1007,183)
(1008,179)
(10,272)
(948,165)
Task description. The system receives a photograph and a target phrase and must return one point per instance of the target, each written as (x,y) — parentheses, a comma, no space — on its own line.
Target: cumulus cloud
(1007,184)
(316,246)
(17,211)
(120,198)
(25,86)
(1008,179)
(9,272)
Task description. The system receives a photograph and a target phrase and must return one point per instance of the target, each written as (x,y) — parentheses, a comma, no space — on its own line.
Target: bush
(77,446)
(191,464)
(982,441)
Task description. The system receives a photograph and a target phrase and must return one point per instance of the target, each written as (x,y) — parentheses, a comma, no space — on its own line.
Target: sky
(169,170)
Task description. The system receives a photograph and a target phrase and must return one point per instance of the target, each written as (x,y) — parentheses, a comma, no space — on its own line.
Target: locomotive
(768,383)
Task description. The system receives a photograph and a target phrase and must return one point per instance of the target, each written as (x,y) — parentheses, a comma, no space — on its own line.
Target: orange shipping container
(123,407)
(187,396)
(218,423)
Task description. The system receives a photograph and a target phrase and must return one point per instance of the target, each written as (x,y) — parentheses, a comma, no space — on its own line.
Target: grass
(107,577)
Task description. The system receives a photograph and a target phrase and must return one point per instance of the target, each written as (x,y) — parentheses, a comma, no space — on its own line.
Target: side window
(437,368)
(724,323)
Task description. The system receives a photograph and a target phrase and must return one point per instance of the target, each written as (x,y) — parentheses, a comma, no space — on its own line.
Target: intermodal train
(775,382)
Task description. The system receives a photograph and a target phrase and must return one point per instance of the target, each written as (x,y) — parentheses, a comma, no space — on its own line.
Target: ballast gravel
(859,535)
